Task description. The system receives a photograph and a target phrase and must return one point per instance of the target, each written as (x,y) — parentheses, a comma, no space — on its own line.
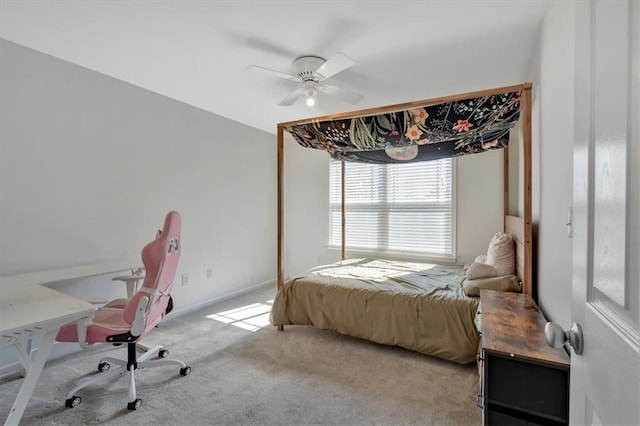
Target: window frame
(396,254)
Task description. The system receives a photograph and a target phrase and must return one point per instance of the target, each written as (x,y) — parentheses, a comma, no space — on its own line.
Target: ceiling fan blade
(292,98)
(335,64)
(273,72)
(344,94)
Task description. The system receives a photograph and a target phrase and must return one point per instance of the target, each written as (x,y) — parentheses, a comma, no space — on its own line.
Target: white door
(604,380)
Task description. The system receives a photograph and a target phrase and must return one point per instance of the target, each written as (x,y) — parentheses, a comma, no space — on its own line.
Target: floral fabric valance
(420,134)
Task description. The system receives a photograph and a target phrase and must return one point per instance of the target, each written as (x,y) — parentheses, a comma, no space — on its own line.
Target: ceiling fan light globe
(310,101)
(309,88)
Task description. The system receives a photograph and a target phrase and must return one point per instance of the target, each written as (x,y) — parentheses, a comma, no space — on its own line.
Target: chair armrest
(127,278)
(81,326)
(131,281)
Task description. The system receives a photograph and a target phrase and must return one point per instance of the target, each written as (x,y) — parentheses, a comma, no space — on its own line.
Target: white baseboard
(62,349)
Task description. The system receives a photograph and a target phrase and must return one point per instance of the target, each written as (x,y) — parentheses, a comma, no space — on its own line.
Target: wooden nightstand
(524,381)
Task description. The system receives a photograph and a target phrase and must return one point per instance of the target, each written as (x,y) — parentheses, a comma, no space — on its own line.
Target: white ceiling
(197,51)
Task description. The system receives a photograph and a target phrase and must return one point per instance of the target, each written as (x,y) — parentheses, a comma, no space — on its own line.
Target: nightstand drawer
(527,387)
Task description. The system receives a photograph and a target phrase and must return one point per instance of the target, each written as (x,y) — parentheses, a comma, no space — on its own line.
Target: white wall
(552,74)
(479,206)
(480,203)
(516,171)
(90,165)
(306,208)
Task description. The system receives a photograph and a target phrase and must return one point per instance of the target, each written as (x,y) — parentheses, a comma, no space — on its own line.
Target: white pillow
(501,254)
(481,270)
(508,283)
(481,259)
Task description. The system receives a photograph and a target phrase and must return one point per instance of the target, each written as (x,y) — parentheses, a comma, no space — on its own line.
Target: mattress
(418,306)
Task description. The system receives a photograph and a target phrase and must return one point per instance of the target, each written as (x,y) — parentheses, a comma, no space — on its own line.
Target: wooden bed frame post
(280,207)
(505,184)
(343,216)
(527,285)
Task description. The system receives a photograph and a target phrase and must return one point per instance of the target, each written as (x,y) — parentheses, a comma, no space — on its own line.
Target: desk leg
(23,352)
(32,377)
(27,350)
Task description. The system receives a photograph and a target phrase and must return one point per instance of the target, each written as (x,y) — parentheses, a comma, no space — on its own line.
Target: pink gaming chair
(129,321)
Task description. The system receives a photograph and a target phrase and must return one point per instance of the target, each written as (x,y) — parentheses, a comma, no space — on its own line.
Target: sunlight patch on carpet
(251,317)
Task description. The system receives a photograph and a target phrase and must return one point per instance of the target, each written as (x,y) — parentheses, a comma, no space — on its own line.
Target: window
(394,208)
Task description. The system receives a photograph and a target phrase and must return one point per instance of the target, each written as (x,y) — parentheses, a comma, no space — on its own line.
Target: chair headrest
(172,225)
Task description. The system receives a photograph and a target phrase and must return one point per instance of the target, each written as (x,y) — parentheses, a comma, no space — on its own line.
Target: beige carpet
(299,376)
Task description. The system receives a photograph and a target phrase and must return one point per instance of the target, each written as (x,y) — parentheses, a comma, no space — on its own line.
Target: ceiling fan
(311,72)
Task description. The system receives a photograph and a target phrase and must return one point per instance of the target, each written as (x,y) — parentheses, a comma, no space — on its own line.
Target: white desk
(66,274)
(28,310)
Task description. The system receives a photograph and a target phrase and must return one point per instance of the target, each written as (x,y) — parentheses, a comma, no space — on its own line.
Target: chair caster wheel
(104,366)
(73,401)
(185,371)
(134,405)
(163,353)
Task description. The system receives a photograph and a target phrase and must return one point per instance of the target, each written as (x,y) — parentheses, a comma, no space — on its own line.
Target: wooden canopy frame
(520,228)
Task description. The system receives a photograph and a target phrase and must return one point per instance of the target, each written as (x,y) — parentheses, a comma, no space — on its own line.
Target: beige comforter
(418,306)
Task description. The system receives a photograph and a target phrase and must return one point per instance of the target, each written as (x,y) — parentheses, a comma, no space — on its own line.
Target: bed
(418,306)
(421,307)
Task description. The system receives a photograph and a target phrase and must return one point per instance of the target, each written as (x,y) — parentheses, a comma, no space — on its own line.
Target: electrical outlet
(209,273)
(185,279)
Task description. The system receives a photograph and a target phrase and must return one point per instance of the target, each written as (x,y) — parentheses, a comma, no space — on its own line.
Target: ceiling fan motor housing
(306,66)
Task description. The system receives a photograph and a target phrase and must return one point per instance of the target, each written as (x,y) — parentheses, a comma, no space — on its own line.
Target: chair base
(129,366)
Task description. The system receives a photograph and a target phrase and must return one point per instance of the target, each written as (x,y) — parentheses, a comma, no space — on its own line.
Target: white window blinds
(394,208)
